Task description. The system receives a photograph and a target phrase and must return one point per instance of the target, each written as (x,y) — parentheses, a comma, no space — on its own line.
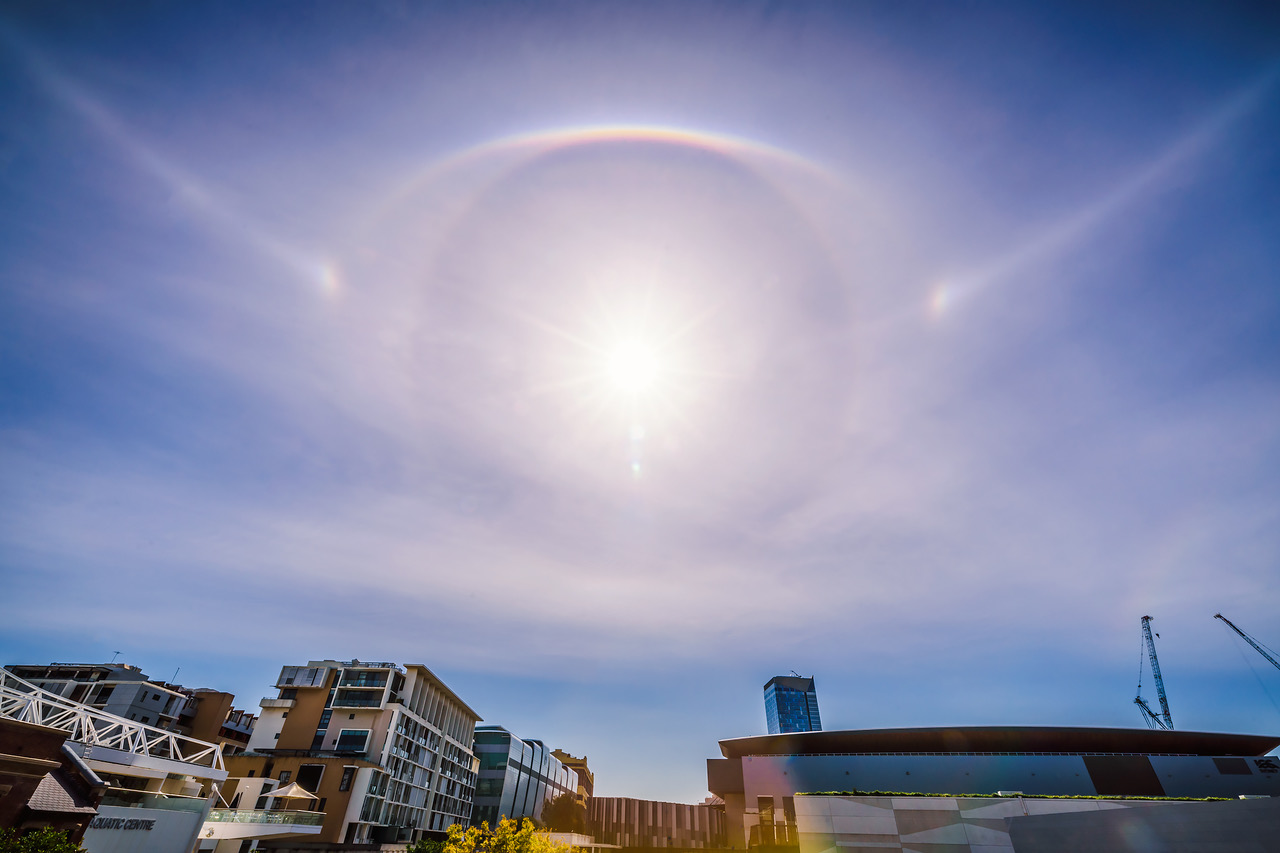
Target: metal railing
(22,701)
(353,702)
(261,816)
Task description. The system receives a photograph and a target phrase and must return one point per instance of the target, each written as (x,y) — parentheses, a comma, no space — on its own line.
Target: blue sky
(611,359)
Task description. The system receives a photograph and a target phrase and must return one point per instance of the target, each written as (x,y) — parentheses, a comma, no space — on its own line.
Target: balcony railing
(260,816)
(351,702)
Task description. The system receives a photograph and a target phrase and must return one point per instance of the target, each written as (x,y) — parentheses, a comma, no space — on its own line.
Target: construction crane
(1164,720)
(1262,650)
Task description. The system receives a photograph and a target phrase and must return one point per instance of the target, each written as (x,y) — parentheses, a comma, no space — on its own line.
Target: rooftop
(1001,739)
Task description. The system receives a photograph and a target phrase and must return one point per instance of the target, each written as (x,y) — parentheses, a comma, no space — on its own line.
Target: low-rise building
(586,779)
(759,777)
(628,822)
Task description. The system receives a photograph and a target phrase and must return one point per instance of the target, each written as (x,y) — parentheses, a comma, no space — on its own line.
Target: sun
(633,367)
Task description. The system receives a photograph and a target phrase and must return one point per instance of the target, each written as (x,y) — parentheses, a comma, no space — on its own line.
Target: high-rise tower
(791,705)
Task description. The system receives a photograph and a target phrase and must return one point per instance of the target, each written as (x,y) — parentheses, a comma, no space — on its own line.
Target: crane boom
(1153,721)
(1248,640)
(1155,674)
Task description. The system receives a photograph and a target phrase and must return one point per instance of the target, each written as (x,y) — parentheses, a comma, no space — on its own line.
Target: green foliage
(39,841)
(509,836)
(426,845)
(564,814)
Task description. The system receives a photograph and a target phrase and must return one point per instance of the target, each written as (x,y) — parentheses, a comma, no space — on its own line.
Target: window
(277,736)
(285,776)
(309,776)
(351,716)
(146,720)
(250,774)
(285,714)
(155,697)
(289,693)
(348,773)
(352,740)
(765,806)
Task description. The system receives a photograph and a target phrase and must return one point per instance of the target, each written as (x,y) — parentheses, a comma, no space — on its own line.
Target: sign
(122,823)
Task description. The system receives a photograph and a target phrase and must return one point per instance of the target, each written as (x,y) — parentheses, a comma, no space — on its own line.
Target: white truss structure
(22,701)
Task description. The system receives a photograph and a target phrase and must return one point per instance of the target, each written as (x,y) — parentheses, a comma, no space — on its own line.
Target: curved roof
(1015,739)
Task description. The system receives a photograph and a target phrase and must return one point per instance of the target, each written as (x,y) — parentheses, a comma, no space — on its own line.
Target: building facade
(125,691)
(838,824)
(760,777)
(386,746)
(586,779)
(791,705)
(516,777)
(125,785)
(629,822)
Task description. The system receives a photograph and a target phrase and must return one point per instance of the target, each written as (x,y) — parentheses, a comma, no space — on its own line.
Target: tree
(509,836)
(426,845)
(564,814)
(38,841)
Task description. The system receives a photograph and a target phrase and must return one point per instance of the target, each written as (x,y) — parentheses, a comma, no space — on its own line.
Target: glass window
(285,776)
(352,740)
(348,773)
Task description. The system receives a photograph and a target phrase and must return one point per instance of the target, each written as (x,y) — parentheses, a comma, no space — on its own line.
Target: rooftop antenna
(796,674)
(114,656)
(175,676)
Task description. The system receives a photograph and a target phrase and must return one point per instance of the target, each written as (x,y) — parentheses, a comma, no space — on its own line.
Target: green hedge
(856,793)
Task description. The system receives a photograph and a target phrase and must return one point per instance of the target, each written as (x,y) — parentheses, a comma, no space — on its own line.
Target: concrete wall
(126,830)
(1240,826)
(836,824)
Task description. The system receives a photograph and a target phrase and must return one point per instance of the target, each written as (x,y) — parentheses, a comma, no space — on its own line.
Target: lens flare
(633,367)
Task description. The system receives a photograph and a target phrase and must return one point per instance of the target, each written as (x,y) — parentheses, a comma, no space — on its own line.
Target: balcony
(277,703)
(303,676)
(273,818)
(237,824)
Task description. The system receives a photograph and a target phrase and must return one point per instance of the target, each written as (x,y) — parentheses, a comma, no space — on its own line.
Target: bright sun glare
(633,367)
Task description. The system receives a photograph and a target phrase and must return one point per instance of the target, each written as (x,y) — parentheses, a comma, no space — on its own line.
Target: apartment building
(126,691)
(385,747)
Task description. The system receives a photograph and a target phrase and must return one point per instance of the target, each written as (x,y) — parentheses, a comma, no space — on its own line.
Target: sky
(612,358)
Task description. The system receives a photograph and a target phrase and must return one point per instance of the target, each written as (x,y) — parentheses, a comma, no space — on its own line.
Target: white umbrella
(292,791)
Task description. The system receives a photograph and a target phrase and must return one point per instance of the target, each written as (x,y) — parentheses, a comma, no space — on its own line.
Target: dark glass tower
(791,705)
